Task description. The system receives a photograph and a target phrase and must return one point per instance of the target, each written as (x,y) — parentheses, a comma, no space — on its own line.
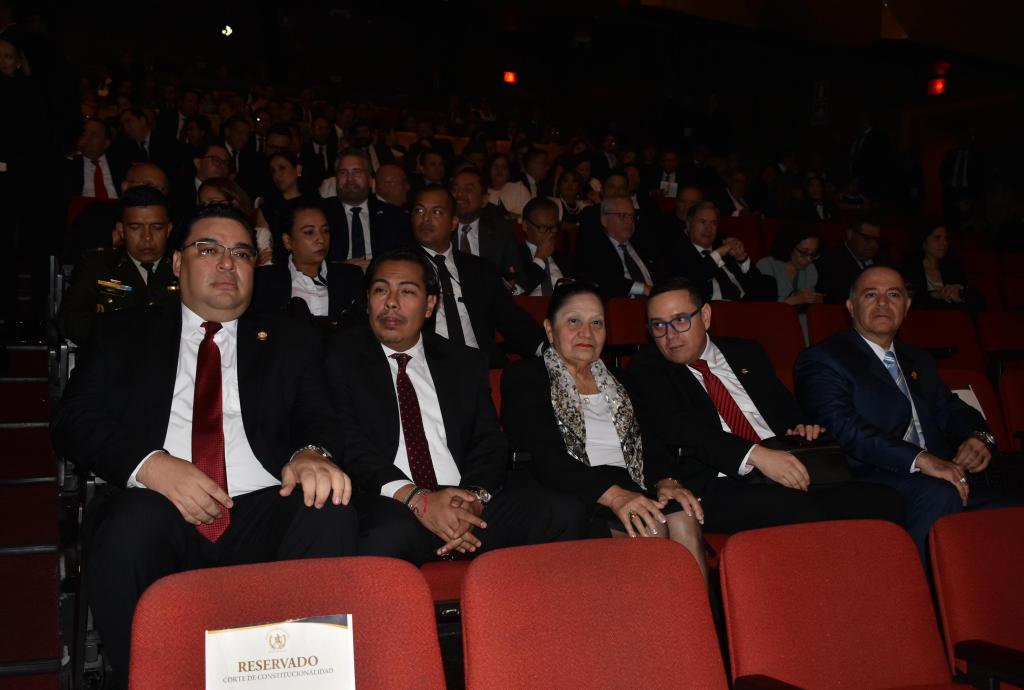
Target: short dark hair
(865,219)
(435,188)
(618,172)
(352,151)
(538,204)
(430,279)
(475,172)
(702,206)
(280,130)
(234,120)
(532,154)
(681,284)
(204,150)
(217,211)
(142,195)
(202,122)
(287,155)
(565,291)
(789,237)
(567,174)
(429,152)
(297,205)
(101,123)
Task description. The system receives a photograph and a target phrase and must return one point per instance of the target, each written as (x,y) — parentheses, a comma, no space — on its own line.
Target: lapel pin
(744,371)
(913,375)
(262,335)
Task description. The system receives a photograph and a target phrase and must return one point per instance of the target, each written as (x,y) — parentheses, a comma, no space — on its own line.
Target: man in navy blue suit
(897,422)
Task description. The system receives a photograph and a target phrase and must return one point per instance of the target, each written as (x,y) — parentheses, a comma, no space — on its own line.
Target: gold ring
(632,514)
(963,480)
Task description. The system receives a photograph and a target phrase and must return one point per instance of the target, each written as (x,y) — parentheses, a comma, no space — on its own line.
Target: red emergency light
(937,86)
(510,77)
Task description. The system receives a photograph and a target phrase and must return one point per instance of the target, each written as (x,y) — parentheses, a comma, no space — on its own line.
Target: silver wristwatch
(985,436)
(316,449)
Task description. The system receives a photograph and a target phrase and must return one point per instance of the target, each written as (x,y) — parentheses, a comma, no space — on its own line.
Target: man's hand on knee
(197,497)
(934,466)
(319,478)
(781,467)
(973,455)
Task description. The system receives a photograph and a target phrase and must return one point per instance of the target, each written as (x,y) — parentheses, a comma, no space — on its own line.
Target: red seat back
(773,324)
(584,614)
(1011,394)
(536,306)
(77,204)
(666,204)
(625,321)
(1012,280)
(747,229)
(495,381)
(977,560)
(975,380)
(825,320)
(770,229)
(831,234)
(1002,335)
(948,334)
(830,604)
(392,613)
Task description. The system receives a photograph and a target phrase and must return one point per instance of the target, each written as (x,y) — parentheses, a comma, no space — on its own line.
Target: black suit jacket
(843,386)
(313,167)
(837,269)
(530,424)
(389,227)
(807,212)
(676,412)
(117,404)
(162,151)
(252,173)
(497,244)
(75,174)
(532,274)
(686,261)
(491,308)
(599,261)
(363,391)
(345,293)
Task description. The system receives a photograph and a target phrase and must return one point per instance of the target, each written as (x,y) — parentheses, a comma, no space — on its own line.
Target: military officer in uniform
(112,279)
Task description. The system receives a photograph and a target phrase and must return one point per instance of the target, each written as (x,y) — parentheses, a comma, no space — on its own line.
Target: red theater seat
(1002,337)
(536,306)
(770,229)
(30,587)
(831,234)
(825,320)
(666,204)
(625,319)
(773,324)
(495,380)
(444,578)
(948,334)
(396,642)
(588,614)
(26,451)
(24,400)
(982,387)
(747,229)
(841,604)
(977,560)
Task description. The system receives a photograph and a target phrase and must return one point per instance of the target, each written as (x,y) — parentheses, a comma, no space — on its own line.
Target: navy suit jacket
(842,385)
(390,228)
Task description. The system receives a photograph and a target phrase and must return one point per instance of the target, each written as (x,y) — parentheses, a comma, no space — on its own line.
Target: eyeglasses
(224,162)
(679,324)
(622,215)
(545,229)
(868,238)
(208,249)
(807,253)
(437,211)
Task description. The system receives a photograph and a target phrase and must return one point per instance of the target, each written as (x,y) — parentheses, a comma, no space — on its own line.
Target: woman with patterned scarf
(569,411)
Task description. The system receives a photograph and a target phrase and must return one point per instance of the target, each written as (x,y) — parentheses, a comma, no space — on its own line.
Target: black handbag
(824,459)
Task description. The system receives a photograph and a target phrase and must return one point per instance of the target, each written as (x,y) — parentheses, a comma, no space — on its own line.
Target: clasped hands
(972,456)
(782,467)
(450,513)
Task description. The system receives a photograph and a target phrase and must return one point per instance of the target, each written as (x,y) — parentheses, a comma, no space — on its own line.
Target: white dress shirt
(718,366)
(321,152)
(863,263)
(716,289)
(312,290)
(441,321)
(738,205)
(637,289)
(531,185)
(142,270)
(445,469)
(603,445)
(89,177)
(474,236)
(915,422)
(551,266)
(364,218)
(244,472)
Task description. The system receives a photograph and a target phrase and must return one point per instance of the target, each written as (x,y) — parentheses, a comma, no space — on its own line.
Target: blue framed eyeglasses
(680,324)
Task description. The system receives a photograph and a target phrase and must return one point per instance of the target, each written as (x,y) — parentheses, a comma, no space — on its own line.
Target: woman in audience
(224,190)
(570,205)
(791,264)
(935,279)
(286,173)
(569,411)
(591,186)
(509,196)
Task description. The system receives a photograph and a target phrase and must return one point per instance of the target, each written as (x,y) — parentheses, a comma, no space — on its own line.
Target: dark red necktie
(208,425)
(725,404)
(100,189)
(420,464)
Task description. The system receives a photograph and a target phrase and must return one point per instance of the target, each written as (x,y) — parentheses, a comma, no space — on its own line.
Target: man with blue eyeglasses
(715,408)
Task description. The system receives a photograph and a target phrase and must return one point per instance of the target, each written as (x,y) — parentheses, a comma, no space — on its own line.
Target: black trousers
(732,506)
(514,517)
(139,537)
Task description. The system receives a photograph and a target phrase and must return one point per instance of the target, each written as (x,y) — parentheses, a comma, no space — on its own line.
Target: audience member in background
(615,185)
(732,200)
(91,172)
(330,290)
(569,201)
(224,190)
(377,153)
(138,143)
(791,265)
(195,135)
(609,257)
(510,196)
(838,268)
(543,264)
(606,159)
(211,161)
(576,420)
(474,300)
(814,207)
(713,411)
(106,280)
(362,226)
(698,171)
(721,268)
(195,482)
(286,175)
(171,122)
(246,164)
(320,152)
(391,185)
(936,280)
(665,178)
(536,171)
(421,435)
(488,236)
(885,403)
(431,170)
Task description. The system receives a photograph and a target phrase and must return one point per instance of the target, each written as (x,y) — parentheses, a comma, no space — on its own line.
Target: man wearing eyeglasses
(611,258)
(543,265)
(213,430)
(839,268)
(711,407)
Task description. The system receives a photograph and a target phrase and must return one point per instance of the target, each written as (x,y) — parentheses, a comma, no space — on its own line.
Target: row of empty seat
(821,605)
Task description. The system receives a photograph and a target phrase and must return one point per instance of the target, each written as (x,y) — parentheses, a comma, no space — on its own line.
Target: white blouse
(603,446)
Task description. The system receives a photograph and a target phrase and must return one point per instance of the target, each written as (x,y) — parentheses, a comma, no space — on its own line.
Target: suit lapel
(471,291)
(377,375)
(126,272)
(869,360)
(252,346)
(446,387)
(162,352)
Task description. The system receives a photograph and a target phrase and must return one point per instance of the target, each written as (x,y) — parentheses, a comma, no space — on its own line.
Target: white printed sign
(301,654)
(970,397)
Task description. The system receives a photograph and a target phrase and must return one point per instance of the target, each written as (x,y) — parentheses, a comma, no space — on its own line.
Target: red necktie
(420,464)
(208,425)
(725,404)
(97,181)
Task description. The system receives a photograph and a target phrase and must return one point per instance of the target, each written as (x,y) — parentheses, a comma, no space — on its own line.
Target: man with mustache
(361,224)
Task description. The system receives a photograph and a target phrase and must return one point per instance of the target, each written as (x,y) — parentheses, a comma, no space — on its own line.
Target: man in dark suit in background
(610,258)
(422,436)
(474,300)
(361,225)
(488,236)
(139,144)
(543,264)
(897,422)
(247,165)
(205,467)
(319,153)
(838,268)
(93,173)
(363,138)
(716,401)
(721,268)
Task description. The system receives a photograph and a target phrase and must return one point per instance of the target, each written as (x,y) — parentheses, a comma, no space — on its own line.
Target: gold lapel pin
(262,335)
(744,371)
(913,375)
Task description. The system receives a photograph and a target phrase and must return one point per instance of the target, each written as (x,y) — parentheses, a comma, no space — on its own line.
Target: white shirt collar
(138,264)
(473,227)
(416,351)
(879,351)
(447,253)
(191,322)
(295,272)
(365,206)
(700,249)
